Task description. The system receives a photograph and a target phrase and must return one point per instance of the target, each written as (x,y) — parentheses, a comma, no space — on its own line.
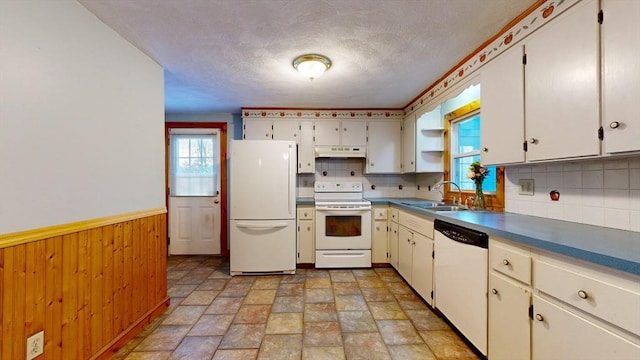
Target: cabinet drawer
(305,213)
(561,334)
(601,294)
(417,224)
(379,213)
(394,214)
(511,261)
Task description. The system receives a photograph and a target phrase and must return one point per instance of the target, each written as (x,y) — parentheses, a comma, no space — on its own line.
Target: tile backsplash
(596,192)
(386,185)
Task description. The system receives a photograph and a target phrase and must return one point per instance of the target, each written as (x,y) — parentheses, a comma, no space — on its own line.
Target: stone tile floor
(315,314)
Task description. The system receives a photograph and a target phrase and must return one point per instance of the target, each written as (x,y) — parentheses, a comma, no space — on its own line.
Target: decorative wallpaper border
(532,22)
(321,114)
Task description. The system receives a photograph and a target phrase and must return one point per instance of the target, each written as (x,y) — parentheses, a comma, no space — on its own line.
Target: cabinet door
(621,75)
(285,130)
(561,87)
(383,147)
(560,334)
(509,322)
(327,132)
(409,144)
(257,129)
(306,248)
(393,244)
(502,125)
(354,133)
(379,244)
(306,150)
(405,253)
(422,269)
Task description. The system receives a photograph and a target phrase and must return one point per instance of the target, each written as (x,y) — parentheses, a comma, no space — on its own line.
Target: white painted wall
(81,118)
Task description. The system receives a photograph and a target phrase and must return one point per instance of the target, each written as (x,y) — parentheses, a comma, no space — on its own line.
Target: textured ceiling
(221,55)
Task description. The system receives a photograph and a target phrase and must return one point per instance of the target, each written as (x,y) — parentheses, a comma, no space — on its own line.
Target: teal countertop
(305,201)
(617,249)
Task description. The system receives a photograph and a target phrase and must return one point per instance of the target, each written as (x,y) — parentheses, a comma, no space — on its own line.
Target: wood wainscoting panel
(90,290)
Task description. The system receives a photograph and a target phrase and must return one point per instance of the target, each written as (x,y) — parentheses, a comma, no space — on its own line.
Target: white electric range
(343,225)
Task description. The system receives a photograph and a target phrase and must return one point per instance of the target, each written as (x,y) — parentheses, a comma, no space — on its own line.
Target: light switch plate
(527,186)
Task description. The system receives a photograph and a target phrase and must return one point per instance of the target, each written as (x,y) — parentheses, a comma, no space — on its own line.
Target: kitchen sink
(424,204)
(447,208)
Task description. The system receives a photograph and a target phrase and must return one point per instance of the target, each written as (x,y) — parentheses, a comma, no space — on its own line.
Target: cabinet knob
(308,228)
(294,135)
(371,164)
(614,124)
(533,141)
(413,243)
(337,129)
(494,291)
(583,294)
(409,240)
(539,317)
(377,228)
(308,164)
(345,129)
(484,149)
(505,262)
(412,163)
(305,214)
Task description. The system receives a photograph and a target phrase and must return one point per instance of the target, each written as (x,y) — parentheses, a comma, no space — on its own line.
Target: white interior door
(194,183)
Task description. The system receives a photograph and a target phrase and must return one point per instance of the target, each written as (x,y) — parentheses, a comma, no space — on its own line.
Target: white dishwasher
(461,277)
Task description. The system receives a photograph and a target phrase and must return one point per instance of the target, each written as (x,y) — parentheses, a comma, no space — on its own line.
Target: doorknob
(216,201)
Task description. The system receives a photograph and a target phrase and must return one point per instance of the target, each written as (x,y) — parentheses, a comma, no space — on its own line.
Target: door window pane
(194,165)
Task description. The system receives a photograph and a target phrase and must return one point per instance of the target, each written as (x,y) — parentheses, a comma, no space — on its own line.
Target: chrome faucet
(438,185)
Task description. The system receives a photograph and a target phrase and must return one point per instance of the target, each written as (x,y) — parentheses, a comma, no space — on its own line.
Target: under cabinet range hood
(330,151)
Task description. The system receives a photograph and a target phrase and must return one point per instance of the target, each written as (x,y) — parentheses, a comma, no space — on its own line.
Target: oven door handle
(340,211)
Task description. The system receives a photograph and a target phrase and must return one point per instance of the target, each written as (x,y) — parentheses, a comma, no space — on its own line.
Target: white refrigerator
(262,206)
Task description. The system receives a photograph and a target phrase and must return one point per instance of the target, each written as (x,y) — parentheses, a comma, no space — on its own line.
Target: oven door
(343,229)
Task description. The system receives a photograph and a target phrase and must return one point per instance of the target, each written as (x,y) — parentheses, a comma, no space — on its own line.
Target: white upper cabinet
(409,144)
(285,130)
(327,132)
(354,132)
(502,111)
(341,132)
(306,150)
(258,129)
(384,147)
(561,87)
(620,75)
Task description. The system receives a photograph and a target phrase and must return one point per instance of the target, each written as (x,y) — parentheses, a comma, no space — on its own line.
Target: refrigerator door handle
(289,181)
(263,225)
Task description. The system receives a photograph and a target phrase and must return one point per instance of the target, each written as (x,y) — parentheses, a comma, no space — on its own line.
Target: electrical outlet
(35,345)
(527,186)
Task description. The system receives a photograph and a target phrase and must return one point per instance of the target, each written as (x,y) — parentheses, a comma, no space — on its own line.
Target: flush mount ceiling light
(311,65)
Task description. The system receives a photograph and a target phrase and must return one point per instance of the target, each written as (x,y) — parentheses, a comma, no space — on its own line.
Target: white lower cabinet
(422,266)
(405,253)
(415,253)
(560,333)
(547,306)
(379,236)
(306,235)
(394,239)
(509,322)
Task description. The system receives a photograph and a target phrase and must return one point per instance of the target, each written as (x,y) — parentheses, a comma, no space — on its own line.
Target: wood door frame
(224,248)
